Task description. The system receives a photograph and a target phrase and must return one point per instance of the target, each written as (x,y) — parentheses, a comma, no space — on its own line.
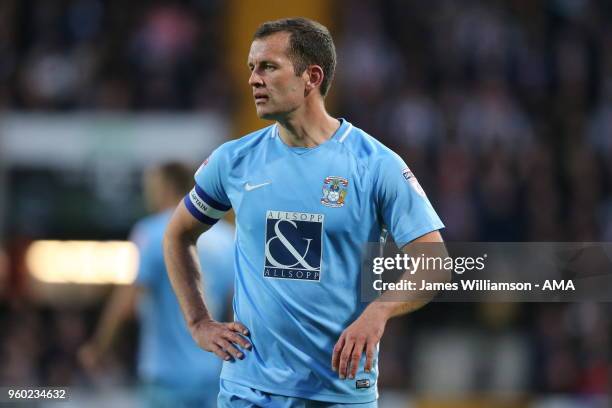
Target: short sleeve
(148,272)
(402,203)
(208,201)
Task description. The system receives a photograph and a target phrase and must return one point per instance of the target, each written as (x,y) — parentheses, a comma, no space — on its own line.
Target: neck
(308,126)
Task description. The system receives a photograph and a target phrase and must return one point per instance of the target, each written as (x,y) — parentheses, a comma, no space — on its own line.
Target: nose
(255,79)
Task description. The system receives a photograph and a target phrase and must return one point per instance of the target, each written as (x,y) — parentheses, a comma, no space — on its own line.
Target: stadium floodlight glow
(85,262)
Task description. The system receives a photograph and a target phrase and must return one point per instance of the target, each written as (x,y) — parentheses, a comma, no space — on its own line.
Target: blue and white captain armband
(204,208)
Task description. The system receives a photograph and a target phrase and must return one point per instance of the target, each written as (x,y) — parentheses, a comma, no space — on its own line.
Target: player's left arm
(431,245)
(411,220)
(365,332)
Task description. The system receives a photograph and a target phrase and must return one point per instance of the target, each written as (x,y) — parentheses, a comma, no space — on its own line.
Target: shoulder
(367,149)
(243,145)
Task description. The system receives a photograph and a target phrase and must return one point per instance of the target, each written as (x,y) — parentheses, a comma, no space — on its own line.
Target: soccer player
(173,370)
(309,192)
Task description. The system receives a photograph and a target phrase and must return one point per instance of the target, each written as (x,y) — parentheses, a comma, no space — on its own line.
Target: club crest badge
(334,191)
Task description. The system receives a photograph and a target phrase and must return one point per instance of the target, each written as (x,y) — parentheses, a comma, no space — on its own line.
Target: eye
(269,67)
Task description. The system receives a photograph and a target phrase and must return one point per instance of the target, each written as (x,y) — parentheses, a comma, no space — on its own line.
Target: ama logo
(293,246)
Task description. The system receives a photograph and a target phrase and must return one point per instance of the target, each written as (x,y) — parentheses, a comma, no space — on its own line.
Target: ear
(313,76)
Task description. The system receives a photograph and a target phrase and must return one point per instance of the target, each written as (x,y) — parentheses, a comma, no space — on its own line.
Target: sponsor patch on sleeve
(412,180)
(204,163)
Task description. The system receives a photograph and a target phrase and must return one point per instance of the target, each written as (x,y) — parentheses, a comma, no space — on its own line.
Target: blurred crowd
(503,110)
(111,55)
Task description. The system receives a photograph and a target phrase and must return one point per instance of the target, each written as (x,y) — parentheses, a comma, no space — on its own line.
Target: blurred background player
(173,370)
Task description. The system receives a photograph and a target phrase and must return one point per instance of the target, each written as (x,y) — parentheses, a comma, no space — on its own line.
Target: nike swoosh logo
(249,187)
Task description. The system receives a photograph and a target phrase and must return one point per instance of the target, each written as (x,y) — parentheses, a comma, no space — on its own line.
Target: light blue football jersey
(167,355)
(303,217)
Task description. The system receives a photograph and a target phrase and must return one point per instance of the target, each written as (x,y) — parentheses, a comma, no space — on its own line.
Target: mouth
(260,99)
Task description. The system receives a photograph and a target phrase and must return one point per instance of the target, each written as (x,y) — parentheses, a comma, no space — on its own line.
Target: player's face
(276,89)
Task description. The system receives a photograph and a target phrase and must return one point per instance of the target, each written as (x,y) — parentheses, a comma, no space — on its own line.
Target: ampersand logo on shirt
(293,246)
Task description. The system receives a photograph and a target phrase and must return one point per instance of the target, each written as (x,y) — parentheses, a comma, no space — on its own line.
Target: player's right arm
(184,274)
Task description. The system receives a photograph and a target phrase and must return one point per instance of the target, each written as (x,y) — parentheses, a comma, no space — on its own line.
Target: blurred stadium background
(503,109)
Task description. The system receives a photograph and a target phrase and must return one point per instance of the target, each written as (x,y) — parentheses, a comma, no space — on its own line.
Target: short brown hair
(310,43)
